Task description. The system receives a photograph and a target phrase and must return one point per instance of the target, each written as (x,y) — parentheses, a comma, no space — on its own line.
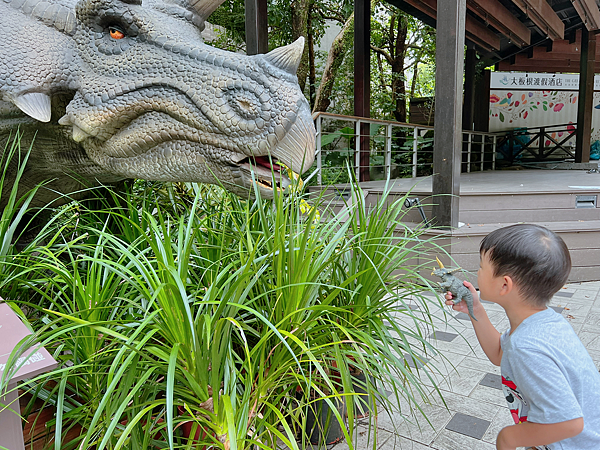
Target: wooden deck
(561,200)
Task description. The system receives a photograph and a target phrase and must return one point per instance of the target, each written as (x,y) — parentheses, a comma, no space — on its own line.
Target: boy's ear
(507,285)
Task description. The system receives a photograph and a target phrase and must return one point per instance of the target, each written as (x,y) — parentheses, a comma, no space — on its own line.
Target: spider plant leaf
(170,390)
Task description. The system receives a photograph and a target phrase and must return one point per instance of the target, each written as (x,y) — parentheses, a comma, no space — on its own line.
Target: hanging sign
(538,81)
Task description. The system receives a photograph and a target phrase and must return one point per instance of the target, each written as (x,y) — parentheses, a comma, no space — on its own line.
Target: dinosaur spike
(205,8)
(35,104)
(439,262)
(288,57)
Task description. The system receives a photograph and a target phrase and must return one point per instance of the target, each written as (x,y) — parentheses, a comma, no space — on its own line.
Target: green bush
(186,305)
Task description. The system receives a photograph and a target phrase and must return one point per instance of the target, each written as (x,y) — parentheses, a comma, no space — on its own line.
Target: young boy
(548,378)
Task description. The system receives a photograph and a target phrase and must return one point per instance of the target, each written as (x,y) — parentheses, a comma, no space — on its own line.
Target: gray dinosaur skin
(459,291)
(157,104)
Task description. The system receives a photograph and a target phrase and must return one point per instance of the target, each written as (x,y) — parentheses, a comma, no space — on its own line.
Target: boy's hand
(462,306)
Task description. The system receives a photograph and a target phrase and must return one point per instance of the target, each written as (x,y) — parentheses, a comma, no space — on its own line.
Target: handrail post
(483,144)
(469,148)
(319,127)
(388,151)
(357,125)
(494,150)
(542,142)
(414,155)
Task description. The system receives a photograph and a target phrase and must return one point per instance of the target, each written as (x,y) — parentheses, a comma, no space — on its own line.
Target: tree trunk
(398,79)
(300,28)
(342,42)
(312,76)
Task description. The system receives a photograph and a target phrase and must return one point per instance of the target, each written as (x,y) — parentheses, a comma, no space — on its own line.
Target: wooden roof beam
(475,31)
(542,14)
(589,13)
(494,13)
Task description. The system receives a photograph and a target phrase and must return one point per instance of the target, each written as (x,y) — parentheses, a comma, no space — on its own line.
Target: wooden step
(582,239)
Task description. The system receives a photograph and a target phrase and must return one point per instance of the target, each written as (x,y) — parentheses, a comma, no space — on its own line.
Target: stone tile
(581,294)
(590,285)
(462,316)
(391,420)
(449,440)
(443,336)
(457,347)
(501,420)
(564,294)
(488,395)
(492,380)
(468,425)
(484,365)
(364,438)
(422,430)
(591,341)
(577,325)
(558,309)
(463,381)
(592,322)
(401,443)
(416,362)
(469,405)
(577,305)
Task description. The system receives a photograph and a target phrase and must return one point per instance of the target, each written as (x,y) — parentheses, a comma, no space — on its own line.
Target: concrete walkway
(470,385)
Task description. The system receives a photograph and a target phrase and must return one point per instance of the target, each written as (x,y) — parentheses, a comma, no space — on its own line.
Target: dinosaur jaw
(266,175)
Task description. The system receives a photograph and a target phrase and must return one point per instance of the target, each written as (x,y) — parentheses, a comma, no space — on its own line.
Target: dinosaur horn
(288,57)
(205,8)
(439,262)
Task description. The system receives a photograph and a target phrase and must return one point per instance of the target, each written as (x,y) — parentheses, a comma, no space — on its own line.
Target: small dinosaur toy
(455,286)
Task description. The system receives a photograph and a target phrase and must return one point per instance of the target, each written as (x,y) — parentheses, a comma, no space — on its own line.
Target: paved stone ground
(476,410)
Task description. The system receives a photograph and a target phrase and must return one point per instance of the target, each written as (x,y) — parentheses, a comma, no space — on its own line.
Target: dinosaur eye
(246,104)
(116,32)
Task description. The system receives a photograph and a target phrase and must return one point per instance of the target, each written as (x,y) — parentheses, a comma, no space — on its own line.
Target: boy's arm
(530,434)
(488,336)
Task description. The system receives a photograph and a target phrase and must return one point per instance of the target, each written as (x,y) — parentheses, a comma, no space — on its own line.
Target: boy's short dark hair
(536,259)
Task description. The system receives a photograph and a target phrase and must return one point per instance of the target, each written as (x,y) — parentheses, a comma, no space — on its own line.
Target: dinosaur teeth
(78,134)
(64,120)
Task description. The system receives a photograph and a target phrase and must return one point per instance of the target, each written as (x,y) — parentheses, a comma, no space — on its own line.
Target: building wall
(519,100)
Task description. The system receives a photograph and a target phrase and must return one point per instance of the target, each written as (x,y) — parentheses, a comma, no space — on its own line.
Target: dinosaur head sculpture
(132,91)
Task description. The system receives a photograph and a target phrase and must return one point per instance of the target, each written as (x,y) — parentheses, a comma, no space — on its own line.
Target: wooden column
(362,78)
(257,40)
(449,55)
(469,88)
(481,120)
(586,96)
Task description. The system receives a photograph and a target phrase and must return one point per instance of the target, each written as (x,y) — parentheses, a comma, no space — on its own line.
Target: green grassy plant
(233,316)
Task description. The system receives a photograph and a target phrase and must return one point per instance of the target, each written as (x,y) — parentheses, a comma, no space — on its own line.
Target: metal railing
(547,143)
(396,150)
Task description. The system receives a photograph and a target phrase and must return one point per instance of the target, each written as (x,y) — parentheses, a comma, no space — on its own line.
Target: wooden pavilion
(527,35)
(551,36)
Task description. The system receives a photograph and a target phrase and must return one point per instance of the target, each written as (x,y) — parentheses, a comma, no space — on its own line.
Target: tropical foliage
(186,317)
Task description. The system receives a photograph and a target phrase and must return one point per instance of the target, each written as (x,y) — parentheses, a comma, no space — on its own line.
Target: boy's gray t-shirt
(549,377)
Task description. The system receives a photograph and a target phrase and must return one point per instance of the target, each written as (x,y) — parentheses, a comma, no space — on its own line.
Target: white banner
(538,81)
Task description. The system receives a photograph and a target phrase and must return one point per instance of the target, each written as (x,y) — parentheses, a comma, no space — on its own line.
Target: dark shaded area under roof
(482,30)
